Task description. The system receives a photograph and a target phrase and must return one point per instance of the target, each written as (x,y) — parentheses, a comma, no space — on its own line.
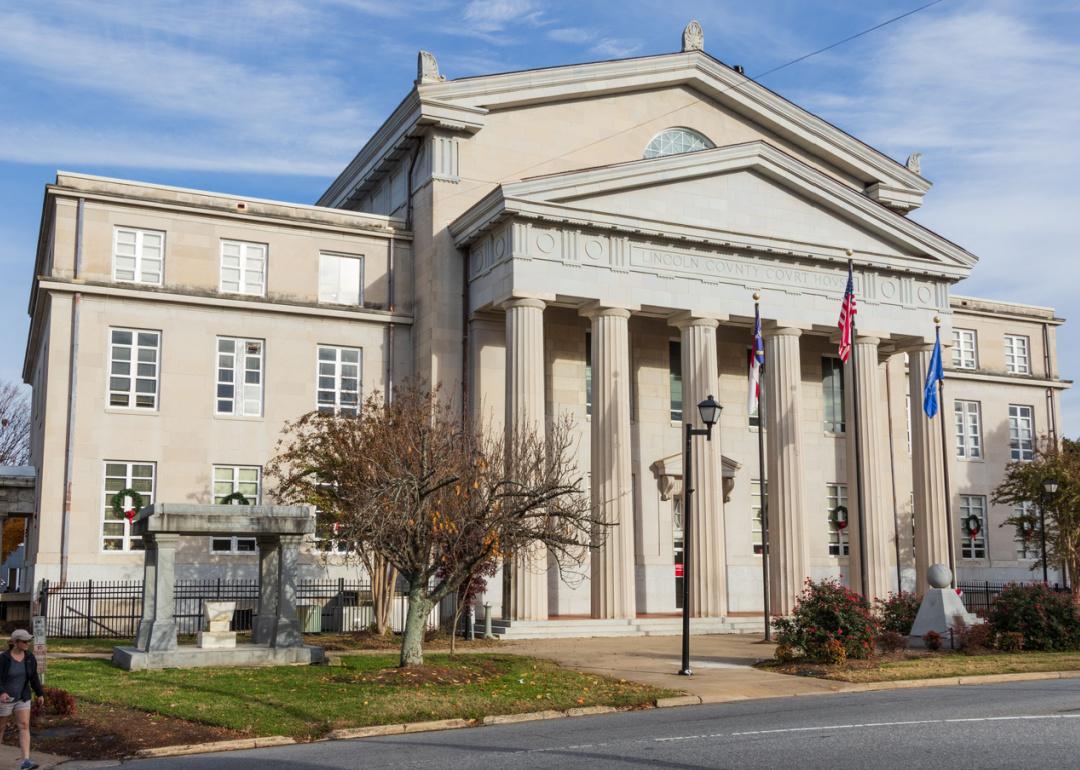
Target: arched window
(673,141)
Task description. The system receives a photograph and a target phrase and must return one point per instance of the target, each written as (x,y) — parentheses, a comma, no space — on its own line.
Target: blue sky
(271,98)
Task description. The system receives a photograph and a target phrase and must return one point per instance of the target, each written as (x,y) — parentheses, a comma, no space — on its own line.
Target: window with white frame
(756,500)
(133,368)
(138,255)
(972,547)
(964,352)
(675,382)
(1027,539)
(674,141)
(341,279)
(1017,358)
(1021,432)
(588,373)
(338,380)
(228,480)
(328,536)
(116,528)
(832,392)
(836,498)
(239,377)
(968,430)
(243,268)
(907,407)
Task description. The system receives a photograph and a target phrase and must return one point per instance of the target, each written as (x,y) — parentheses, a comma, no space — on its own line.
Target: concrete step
(591,627)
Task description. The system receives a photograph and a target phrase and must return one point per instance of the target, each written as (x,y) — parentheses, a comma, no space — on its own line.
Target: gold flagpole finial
(757,296)
(937,320)
(849,252)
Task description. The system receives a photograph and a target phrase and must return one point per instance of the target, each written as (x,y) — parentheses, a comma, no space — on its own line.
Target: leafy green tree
(1024,483)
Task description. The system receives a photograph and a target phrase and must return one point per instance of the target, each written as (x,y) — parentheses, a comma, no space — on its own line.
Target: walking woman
(18,675)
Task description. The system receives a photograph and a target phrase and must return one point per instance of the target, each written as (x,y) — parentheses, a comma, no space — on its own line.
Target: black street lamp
(1050,487)
(709,411)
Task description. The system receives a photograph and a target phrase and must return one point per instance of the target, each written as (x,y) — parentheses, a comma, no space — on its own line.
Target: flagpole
(860,496)
(945,460)
(762,483)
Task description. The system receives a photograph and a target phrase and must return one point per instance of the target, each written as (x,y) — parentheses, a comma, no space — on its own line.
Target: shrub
(892,641)
(834,653)
(785,653)
(1010,641)
(898,611)
(828,612)
(1047,620)
(932,640)
(58,703)
(972,639)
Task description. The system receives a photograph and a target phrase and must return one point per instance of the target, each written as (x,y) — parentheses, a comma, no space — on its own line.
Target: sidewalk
(10,756)
(722,664)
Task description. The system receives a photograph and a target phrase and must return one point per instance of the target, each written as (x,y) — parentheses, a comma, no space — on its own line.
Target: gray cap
(21,635)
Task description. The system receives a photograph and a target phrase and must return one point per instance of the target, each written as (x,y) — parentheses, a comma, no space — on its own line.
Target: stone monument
(276,638)
(940,607)
(217,635)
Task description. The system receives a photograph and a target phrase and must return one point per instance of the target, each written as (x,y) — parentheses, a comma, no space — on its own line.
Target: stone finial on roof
(427,69)
(693,39)
(914,162)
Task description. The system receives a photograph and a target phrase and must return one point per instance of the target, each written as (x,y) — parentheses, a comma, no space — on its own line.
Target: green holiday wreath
(237,497)
(118,503)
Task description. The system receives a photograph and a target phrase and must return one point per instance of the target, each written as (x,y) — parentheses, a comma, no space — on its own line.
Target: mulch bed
(421,675)
(114,732)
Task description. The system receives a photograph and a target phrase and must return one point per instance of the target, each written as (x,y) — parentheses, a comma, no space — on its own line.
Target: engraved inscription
(758,273)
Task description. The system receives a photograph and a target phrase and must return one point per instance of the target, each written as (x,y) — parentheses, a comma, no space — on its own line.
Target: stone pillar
(525,411)
(612,574)
(287,628)
(708,565)
(928,473)
(157,630)
(789,554)
(877,515)
(269,570)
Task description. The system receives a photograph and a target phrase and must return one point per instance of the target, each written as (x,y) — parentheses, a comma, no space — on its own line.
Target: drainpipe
(73,382)
(389,396)
(1051,414)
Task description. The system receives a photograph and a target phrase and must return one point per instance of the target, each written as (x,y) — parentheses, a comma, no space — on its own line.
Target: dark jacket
(32,679)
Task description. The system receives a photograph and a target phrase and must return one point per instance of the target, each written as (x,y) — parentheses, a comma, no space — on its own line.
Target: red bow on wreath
(973,526)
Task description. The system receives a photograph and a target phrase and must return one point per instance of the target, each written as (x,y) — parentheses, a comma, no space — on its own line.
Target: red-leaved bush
(828,617)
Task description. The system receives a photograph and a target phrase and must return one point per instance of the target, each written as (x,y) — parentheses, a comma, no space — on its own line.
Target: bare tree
(435,499)
(14,425)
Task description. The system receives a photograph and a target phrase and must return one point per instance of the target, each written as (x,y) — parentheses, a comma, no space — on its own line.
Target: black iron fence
(98,608)
(978,595)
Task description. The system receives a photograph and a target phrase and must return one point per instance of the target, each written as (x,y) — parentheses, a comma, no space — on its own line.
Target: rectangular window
(907,406)
(756,500)
(675,379)
(968,430)
(243,268)
(972,547)
(228,480)
(338,380)
(341,279)
(133,368)
(1021,432)
(964,352)
(832,392)
(1027,540)
(116,529)
(836,505)
(1017,359)
(588,373)
(138,255)
(239,377)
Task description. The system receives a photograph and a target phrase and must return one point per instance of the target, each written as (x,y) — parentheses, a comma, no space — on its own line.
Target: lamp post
(1050,487)
(709,411)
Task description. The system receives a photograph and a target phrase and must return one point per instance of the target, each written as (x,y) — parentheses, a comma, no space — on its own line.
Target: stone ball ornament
(939,576)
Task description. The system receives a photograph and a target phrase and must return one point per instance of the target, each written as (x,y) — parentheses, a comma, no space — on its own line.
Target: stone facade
(578,278)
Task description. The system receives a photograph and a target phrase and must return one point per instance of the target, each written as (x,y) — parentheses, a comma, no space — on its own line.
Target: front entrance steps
(569,628)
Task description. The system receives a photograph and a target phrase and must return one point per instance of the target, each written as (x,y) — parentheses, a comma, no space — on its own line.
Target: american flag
(757,360)
(847,316)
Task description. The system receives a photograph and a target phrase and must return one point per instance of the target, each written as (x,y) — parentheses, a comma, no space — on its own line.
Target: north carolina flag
(847,316)
(757,360)
(934,374)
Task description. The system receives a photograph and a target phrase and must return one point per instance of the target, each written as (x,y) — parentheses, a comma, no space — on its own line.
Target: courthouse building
(583,240)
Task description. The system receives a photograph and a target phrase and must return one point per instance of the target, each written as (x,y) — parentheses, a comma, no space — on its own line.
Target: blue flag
(934,374)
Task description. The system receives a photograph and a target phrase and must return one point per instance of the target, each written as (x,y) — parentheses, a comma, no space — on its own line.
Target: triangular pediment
(750,195)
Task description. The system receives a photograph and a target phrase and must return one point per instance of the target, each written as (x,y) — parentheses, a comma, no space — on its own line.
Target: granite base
(131,659)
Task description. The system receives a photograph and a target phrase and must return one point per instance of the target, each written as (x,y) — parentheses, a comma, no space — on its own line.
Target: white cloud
(615,48)
(571,35)
(494,15)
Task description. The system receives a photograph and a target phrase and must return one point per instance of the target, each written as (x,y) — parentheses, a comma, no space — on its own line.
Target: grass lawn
(333,642)
(307,701)
(923,665)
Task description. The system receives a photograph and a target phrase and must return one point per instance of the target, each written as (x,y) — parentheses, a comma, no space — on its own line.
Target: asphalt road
(1015,725)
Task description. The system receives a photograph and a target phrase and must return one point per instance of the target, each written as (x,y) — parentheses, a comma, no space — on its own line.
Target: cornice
(551,198)
(61,286)
(1007,379)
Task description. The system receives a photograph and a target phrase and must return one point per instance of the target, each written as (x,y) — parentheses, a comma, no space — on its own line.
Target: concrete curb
(678,700)
(201,748)
(531,716)
(961,681)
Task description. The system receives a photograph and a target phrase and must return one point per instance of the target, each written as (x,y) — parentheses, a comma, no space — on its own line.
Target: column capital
(524,302)
(166,539)
(781,331)
(598,310)
(867,339)
(686,319)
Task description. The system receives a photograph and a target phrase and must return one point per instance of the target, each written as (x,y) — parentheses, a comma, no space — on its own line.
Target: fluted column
(525,411)
(928,473)
(612,575)
(789,554)
(708,565)
(878,515)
